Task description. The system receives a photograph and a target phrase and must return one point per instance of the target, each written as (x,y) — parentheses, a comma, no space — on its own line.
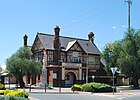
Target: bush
(2,92)
(7,91)
(12,98)
(18,93)
(2,87)
(93,87)
(101,87)
(88,87)
(76,87)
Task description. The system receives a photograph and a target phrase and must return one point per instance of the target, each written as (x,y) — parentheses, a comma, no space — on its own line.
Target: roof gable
(73,45)
(37,44)
(70,44)
(67,42)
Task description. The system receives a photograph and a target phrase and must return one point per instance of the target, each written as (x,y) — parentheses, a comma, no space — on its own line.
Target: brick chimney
(56,44)
(25,39)
(91,37)
(56,37)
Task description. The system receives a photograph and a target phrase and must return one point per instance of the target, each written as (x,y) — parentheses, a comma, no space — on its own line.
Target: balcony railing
(72,65)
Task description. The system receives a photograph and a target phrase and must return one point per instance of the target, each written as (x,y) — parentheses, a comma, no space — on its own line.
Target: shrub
(88,87)
(2,87)
(101,87)
(7,91)
(2,92)
(93,87)
(97,87)
(76,87)
(12,98)
(18,93)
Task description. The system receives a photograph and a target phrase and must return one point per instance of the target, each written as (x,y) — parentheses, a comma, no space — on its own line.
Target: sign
(92,70)
(113,70)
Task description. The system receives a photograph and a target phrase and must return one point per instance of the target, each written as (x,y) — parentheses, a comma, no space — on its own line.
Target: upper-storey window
(38,56)
(75,57)
(63,56)
(50,56)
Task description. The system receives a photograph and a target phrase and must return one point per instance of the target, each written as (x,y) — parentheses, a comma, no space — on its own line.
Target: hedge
(2,87)
(93,87)
(88,87)
(76,87)
(17,93)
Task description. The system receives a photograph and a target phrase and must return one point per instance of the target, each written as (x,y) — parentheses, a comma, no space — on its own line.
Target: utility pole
(129,5)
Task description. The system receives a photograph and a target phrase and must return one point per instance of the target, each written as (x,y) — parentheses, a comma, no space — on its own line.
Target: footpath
(121,90)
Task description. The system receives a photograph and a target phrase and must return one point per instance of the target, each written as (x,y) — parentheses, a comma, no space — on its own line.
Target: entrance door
(70,79)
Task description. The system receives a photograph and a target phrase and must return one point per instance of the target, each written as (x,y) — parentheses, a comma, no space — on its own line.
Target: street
(96,96)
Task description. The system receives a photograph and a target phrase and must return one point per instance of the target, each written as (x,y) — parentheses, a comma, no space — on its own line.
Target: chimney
(25,39)
(56,44)
(91,37)
(56,37)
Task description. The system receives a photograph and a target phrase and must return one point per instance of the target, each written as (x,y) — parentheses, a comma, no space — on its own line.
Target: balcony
(72,65)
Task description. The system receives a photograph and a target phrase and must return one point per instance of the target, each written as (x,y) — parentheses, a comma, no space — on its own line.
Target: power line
(81,17)
(93,23)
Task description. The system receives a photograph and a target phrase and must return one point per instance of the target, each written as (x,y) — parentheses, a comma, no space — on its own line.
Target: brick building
(68,60)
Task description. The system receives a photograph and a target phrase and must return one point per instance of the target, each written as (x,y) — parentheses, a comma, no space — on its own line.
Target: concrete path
(122,90)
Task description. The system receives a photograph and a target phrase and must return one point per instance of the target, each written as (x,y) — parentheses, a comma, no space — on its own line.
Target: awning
(4,74)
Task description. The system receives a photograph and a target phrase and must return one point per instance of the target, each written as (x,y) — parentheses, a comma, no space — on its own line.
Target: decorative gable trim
(72,46)
(37,44)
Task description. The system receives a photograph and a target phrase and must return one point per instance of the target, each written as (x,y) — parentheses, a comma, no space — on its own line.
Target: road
(98,96)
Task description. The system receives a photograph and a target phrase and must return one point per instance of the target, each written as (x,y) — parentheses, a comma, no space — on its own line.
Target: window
(38,56)
(63,56)
(75,57)
(50,56)
(54,75)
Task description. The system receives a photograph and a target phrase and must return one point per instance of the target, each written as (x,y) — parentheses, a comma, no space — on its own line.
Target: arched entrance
(70,79)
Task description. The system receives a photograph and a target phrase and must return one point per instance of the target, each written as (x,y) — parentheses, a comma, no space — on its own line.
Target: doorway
(70,79)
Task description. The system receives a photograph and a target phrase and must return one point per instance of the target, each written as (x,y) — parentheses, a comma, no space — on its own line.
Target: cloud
(123,26)
(114,27)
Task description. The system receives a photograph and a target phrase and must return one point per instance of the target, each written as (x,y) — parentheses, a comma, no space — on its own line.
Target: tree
(21,64)
(130,56)
(125,54)
(111,54)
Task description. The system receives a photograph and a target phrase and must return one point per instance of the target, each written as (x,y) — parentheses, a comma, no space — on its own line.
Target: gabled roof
(70,44)
(67,42)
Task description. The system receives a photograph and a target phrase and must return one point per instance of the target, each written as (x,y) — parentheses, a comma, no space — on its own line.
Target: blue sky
(76,18)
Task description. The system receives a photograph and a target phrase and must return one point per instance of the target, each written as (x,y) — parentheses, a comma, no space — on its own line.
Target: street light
(87,66)
(93,77)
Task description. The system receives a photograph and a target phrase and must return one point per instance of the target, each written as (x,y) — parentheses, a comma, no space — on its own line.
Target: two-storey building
(68,60)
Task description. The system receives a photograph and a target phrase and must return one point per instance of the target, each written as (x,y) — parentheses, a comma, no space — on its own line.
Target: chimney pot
(57,30)
(91,37)
(25,40)
(56,37)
